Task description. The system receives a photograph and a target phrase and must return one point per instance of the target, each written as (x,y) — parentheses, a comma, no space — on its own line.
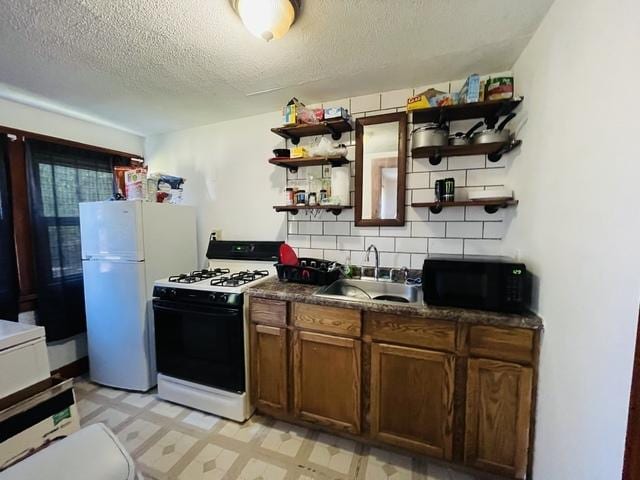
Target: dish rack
(310,271)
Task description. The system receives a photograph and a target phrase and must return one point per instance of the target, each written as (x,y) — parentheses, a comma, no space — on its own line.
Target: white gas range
(201,328)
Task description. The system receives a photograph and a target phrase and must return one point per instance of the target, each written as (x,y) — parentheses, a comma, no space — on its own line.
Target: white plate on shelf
(491,194)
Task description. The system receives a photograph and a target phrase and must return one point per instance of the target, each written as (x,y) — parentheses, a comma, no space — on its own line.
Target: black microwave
(486,283)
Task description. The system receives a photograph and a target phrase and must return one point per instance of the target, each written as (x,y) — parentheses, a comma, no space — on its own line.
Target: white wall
(31,119)
(578,228)
(228,177)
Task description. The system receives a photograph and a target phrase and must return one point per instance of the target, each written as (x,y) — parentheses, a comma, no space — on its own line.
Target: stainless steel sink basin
(367,290)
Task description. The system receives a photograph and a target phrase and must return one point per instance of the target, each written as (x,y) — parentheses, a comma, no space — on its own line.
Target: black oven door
(203,344)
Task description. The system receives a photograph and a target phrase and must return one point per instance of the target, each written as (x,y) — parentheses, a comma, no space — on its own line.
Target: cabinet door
(327,380)
(498,416)
(412,398)
(269,368)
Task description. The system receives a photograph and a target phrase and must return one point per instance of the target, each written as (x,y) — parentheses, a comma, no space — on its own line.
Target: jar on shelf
(301,197)
(323,196)
(288,196)
(313,199)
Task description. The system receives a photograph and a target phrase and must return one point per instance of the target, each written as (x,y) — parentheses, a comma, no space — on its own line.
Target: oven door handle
(177,307)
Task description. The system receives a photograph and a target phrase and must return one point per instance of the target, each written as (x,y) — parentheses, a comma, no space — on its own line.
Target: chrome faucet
(376,270)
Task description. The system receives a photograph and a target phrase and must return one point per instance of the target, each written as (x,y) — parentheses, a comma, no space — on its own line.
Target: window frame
(22,225)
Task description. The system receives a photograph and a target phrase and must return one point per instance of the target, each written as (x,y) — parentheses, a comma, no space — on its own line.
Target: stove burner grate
(238,278)
(199,275)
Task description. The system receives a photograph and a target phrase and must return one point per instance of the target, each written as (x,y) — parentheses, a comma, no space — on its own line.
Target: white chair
(91,453)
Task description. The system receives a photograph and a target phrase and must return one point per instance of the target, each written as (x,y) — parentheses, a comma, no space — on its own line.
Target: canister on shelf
(288,196)
(323,195)
(313,199)
(301,197)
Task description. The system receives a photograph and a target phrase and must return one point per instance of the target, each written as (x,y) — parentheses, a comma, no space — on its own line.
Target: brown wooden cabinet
(412,398)
(326,371)
(498,416)
(444,388)
(269,367)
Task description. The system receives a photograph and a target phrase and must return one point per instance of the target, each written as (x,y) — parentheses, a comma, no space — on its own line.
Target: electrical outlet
(326,171)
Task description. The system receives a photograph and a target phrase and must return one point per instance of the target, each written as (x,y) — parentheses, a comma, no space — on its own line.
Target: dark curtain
(8,273)
(60,177)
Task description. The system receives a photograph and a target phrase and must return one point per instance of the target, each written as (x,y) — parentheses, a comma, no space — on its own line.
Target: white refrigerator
(126,246)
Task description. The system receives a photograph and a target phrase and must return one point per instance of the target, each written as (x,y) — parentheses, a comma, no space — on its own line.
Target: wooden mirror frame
(401,118)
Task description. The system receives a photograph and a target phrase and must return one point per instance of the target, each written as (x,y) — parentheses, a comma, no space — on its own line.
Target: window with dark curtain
(60,177)
(8,273)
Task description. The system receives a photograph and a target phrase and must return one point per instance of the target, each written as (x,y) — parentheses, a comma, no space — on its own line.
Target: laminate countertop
(295,292)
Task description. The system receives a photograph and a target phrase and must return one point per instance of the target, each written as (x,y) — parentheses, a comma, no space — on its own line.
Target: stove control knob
(173,292)
(224,297)
(212,297)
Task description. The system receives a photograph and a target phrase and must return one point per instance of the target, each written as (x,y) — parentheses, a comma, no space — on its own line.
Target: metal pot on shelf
(464,138)
(494,135)
(430,135)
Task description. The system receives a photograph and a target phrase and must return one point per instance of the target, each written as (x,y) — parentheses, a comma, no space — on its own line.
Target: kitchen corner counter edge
(295,292)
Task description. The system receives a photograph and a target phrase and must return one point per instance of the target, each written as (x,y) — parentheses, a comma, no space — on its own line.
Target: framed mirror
(381,143)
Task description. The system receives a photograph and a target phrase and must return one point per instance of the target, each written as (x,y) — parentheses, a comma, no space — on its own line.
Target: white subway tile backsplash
(458,175)
(340,256)
(464,229)
(350,243)
(417,260)
(310,228)
(383,244)
(493,230)
(336,228)
(310,253)
(413,245)
(323,241)
(365,231)
(417,214)
(423,195)
(396,98)
(446,246)
(428,229)
(423,165)
(463,163)
(448,214)
(301,241)
(479,214)
(292,228)
(486,176)
(395,259)
(417,180)
(403,231)
(482,247)
(365,103)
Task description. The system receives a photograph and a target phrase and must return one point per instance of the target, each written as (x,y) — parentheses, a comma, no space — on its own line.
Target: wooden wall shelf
(294,209)
(336,127)
(294,163)
(494,151)
(490,111)
(490,206)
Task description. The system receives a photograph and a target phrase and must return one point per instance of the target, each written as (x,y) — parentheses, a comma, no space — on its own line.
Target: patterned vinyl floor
(171,442)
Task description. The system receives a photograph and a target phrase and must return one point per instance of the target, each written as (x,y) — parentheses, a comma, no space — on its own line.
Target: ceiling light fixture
(267,19)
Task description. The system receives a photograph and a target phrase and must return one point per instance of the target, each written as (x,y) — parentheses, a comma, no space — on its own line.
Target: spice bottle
(288,196)
(313,199)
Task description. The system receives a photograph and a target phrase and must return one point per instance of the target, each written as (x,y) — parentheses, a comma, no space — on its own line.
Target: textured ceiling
(156,65)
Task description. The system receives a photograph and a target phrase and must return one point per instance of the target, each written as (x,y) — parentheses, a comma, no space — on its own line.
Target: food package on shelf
(499,88)
(422,100)
(299,152)
(307,116)
(444,100)
(119,190)
(326,148)
(335,112)
(470,91)
(170,189)
(135,183)
(290,111)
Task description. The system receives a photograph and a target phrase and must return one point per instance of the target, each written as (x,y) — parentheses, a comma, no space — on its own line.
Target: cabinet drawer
(421,332)
(513,344)
(343,321)
(272,312)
